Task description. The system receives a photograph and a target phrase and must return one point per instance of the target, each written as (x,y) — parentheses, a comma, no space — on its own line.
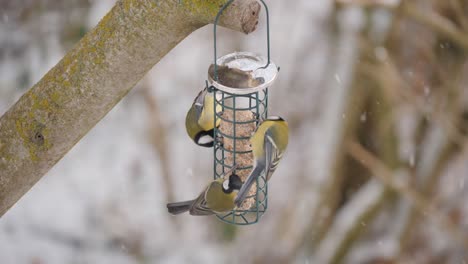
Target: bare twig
(437,23)
(388,74)
(381,171)
(369,3)
(457,7)
(428,18)
(351,221)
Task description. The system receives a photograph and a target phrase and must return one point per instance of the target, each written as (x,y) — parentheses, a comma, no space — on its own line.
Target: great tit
(217,197)
(269,142)
(199,121)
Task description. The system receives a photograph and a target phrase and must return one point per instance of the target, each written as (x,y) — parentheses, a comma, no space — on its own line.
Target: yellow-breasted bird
(217,197)
(269,142)
(199,121)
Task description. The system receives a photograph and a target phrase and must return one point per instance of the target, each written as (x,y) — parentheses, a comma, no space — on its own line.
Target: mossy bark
(50,118)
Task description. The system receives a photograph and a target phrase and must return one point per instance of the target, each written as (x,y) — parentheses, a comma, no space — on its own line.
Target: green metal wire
(258,105)
(215,39)
(268,33)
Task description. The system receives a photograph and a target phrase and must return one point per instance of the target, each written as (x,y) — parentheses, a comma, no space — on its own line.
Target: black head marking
(233,183)
(204,135)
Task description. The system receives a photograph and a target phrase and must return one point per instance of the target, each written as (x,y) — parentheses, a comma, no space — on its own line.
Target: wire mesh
(256,105)
(238,152)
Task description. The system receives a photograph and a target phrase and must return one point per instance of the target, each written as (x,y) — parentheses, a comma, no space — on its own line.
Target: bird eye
(226,185)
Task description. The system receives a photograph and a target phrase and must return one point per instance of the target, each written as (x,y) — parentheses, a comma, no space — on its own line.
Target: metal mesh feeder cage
(240,83)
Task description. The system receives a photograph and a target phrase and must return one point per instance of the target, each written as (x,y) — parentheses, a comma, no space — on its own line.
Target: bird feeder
(240,82)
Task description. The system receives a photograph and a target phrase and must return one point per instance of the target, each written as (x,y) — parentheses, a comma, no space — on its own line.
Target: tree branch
(93,77)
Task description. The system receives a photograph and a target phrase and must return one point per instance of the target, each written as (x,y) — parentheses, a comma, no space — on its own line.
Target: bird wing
(199,102)
(198,110)
(272,155)
(200,207)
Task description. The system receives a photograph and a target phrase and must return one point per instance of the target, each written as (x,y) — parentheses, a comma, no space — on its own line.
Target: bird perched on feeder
(217,197)
(269,143)
(235,78)
(200,119)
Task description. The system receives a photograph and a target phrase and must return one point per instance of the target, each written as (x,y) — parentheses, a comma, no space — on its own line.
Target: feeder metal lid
(243,73)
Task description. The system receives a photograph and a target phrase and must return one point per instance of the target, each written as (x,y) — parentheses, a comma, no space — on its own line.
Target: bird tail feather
(179,207)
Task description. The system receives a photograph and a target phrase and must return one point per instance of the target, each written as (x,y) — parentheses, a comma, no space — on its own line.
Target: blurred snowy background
(391,77)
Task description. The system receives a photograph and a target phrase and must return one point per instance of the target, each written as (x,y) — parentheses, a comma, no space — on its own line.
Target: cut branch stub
(247,11)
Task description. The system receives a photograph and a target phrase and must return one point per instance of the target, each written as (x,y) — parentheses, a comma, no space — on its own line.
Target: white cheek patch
(226,185)
(205,139)
(276,118)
